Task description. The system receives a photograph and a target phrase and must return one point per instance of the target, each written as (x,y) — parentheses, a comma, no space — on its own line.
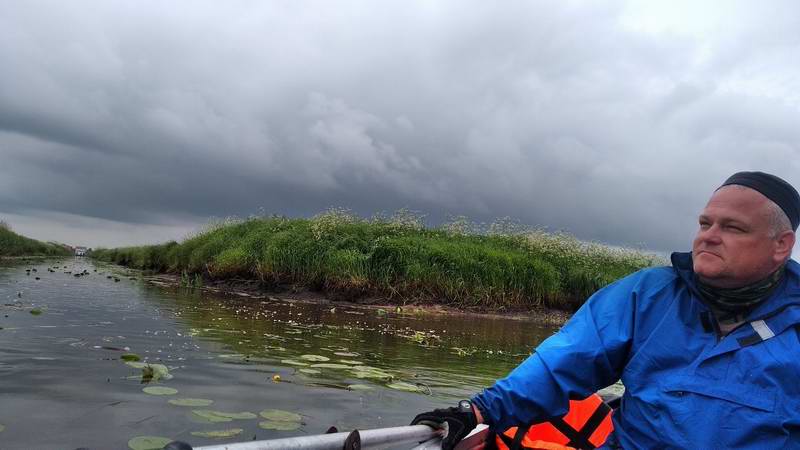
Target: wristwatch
(465,406)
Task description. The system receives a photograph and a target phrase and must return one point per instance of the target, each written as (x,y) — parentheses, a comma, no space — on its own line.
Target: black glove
(460,421)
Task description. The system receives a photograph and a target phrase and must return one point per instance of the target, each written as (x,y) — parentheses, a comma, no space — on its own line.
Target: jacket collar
(787,294)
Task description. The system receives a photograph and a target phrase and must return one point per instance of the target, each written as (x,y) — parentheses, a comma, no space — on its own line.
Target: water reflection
(451,355)
(61,370)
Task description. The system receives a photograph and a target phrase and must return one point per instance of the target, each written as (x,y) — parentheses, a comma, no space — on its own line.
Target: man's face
(733,246)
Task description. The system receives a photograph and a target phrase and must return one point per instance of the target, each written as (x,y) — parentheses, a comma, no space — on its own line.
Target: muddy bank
(244,288)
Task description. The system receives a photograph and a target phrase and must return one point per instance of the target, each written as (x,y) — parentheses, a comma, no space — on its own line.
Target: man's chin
(706,273)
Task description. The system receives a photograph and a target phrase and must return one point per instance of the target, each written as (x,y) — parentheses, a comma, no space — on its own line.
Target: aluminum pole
(377,438)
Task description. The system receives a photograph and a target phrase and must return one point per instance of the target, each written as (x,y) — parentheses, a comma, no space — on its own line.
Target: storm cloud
(136,121)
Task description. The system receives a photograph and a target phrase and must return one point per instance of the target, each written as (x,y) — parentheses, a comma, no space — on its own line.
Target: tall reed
(12,244)
(396,258)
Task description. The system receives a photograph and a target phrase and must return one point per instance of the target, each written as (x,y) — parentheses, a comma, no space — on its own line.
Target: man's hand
(460,421)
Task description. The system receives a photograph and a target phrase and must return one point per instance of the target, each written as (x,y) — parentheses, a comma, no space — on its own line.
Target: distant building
(80,251)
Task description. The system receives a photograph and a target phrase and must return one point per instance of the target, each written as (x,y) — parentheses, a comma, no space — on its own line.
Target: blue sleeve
(587,354)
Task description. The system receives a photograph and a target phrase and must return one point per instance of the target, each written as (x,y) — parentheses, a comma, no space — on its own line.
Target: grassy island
(12,245)
(496,267)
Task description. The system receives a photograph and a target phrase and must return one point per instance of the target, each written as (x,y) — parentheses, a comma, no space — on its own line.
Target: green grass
(396,258)
(12,244)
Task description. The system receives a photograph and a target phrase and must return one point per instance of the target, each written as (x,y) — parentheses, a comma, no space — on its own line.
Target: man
(708,349)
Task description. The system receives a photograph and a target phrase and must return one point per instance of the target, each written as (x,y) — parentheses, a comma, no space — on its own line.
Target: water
(64,386)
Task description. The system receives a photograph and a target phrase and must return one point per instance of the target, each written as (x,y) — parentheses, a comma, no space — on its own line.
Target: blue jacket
(685,386)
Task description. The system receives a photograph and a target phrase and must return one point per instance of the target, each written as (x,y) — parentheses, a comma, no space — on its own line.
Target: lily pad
(371,373)
(148,442)
(403,386)
(210,416)
(292,362)
(345,354)
(237,416)
(36,311)
(360,387)
(223,416)
(280,426)
(330,366)
(2,427)
(317,358)
(133,357)
(218,434)
(277,415)
(159,390)
(194,402)
(310,371)
(351,362)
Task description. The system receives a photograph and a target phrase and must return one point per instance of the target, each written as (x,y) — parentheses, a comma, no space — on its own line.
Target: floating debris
(36,312)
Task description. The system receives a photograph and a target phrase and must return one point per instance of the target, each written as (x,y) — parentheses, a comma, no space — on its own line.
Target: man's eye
(735,228)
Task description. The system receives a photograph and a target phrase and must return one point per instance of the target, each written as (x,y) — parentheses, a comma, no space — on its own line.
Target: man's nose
(711,235)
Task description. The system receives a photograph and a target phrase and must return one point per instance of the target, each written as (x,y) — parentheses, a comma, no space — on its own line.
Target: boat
(423,437)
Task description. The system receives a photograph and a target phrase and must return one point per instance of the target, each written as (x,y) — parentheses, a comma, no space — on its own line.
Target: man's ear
(783,245)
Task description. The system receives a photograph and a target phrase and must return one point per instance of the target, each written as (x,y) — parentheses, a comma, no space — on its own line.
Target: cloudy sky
(128,122)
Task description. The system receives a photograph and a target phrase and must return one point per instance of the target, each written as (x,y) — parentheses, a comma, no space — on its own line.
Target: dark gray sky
(127,122)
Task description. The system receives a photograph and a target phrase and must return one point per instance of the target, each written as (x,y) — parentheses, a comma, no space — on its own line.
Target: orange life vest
(585,426)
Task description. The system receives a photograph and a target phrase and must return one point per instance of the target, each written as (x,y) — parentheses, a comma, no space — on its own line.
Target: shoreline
(244,288)
(31,257)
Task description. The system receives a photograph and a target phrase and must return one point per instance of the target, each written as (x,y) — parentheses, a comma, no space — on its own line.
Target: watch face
(465,405)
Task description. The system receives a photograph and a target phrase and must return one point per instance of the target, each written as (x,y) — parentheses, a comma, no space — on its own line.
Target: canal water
(64,383)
